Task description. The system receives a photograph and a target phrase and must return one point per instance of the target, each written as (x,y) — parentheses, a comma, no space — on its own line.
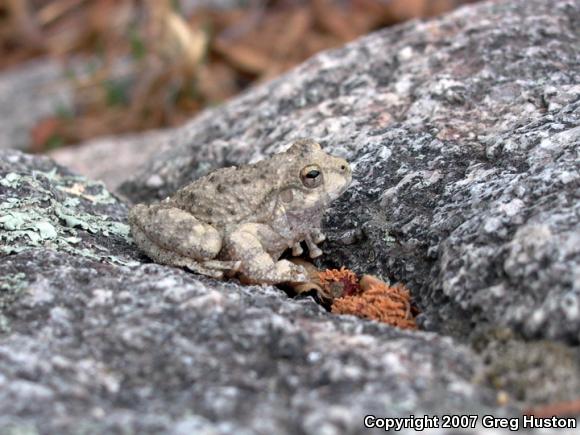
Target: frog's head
(316,178)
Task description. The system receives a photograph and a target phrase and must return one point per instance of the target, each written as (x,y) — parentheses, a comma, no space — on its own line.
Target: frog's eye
(311,176)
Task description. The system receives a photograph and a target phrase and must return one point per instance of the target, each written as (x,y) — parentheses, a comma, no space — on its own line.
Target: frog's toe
(297,250)
(315,252)
(214,268)
(291,272)
(318,236)
(197,268)
(230,266)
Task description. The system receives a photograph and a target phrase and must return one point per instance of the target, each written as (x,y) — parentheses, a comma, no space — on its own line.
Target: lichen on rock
(56,209)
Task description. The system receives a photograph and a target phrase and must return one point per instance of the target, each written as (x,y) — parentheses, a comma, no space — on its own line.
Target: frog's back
(230,195)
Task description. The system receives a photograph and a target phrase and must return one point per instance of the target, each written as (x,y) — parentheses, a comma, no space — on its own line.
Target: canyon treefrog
(239,220)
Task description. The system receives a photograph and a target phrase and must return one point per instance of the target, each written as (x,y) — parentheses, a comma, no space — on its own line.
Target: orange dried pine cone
(369,298)
(339,283)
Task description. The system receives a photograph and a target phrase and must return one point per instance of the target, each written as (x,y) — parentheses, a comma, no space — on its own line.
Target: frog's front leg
(252,244)
(313,250)
(297,249)
(315,236)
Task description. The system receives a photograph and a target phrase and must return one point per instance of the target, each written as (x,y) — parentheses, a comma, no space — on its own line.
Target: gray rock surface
(110,159)
(464,134)
(29,93)
(95,340)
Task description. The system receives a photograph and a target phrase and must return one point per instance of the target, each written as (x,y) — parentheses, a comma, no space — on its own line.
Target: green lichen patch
(20,428)
(63,212)
(10,180)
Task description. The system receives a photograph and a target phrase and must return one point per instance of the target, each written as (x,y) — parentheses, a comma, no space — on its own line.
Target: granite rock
(110,159)
(463,132)
(95,339)
(28,93)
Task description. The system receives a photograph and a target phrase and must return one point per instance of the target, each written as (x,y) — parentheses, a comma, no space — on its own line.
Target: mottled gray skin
(241,220)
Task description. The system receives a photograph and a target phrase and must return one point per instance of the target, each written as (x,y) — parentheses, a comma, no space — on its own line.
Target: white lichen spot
(45,230)
(101,297)
(492,225)
(570,306)
(12,221)
(406,53)
(497,291)
(10,180)
(567,177)
(154,181)
(536,319)
(512,208)
(403,86)
(39,293)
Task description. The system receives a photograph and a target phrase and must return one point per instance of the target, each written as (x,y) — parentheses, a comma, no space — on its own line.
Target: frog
(239,221)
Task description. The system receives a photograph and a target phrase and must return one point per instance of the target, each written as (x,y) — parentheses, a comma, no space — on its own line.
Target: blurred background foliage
(145,64)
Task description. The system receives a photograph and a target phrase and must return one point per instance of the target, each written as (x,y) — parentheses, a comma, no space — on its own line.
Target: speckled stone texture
(464,134)
(95,340)
(28,93)
(110,159)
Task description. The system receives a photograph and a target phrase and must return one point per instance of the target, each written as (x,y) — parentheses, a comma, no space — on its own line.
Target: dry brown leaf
(55,10)
(245,58)
(173,39)
(558,409)
(334,20)
(217,81)
(42,132)
(178,70)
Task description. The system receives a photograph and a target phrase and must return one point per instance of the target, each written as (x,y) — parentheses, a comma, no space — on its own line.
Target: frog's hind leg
(213,268)
(172,236)
(198,268)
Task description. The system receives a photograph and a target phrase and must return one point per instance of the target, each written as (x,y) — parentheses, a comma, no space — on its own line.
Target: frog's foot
(261,269)
(213,268)
(297,249)
(257,265)
(317,236)
(197,268)
(313,250)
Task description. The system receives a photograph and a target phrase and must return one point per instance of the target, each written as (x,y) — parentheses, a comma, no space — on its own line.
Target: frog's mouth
(337,184)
